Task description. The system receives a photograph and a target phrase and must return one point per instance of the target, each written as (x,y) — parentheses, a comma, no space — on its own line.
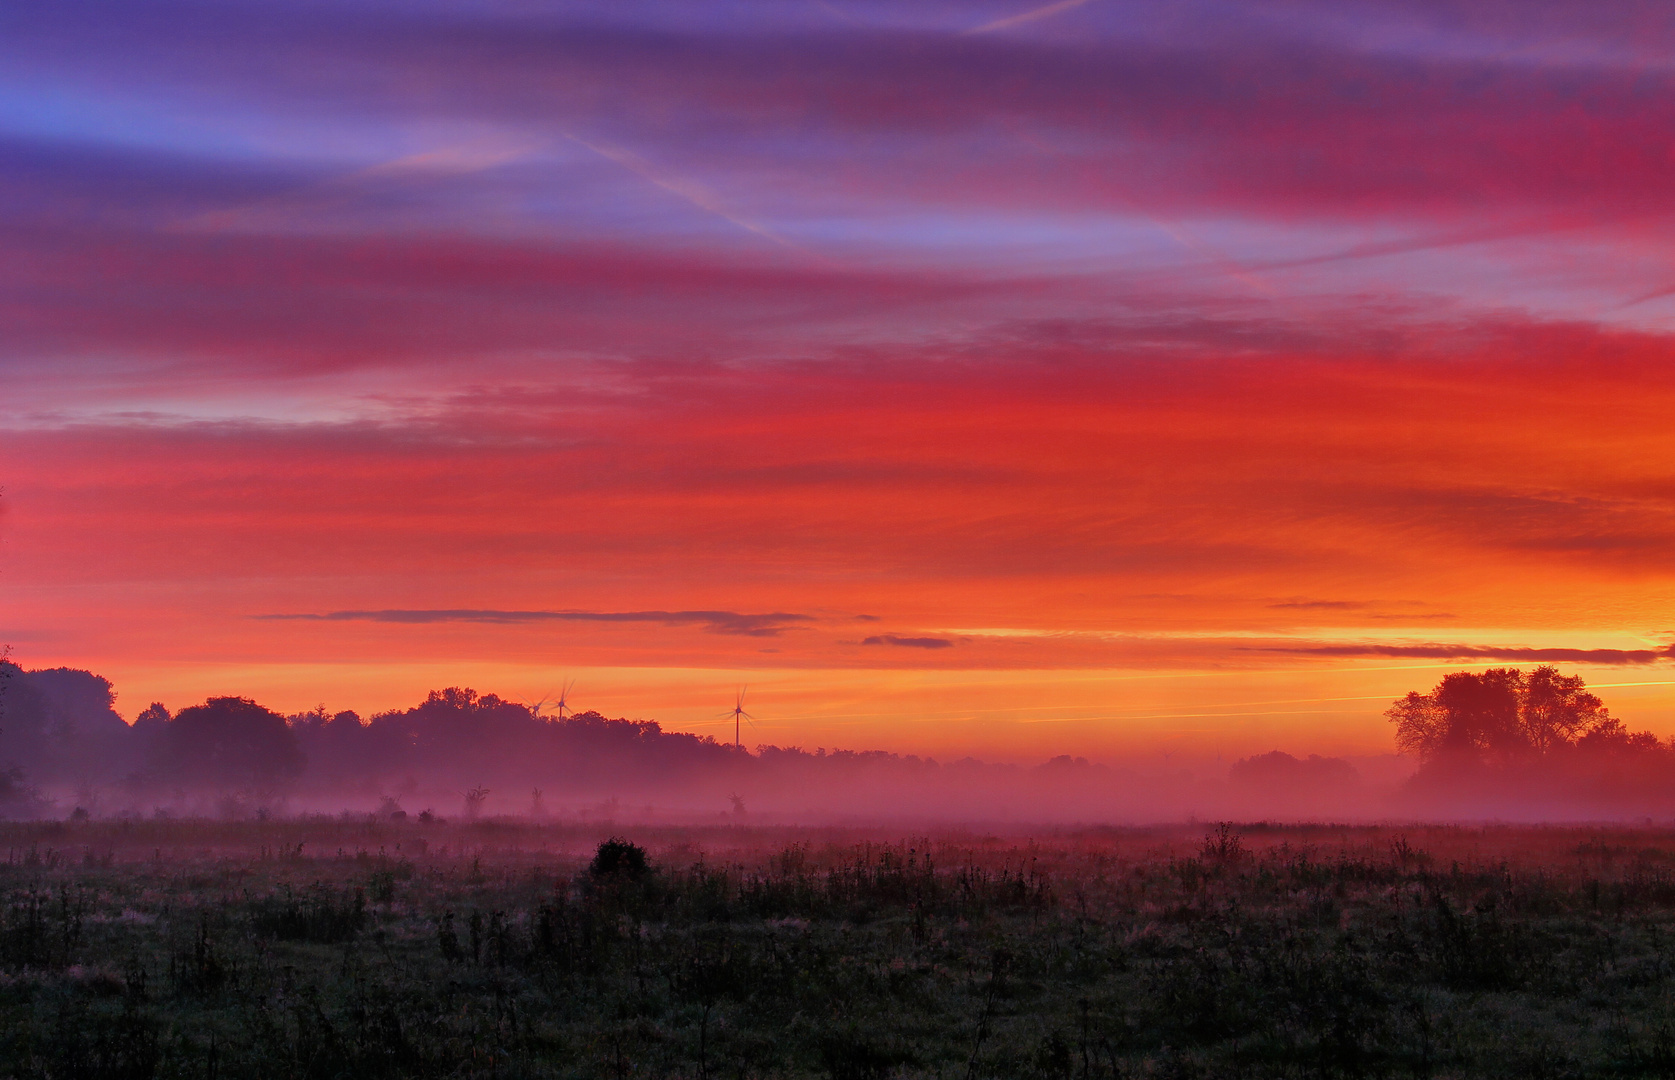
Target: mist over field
(460,754)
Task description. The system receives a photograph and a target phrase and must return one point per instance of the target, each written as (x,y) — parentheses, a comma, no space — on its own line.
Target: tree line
(1515,732)
(64,730)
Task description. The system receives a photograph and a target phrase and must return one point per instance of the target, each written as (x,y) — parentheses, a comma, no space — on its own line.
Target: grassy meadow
(368,948)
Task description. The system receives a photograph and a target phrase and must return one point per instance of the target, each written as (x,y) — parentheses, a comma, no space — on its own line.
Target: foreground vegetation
(333,948)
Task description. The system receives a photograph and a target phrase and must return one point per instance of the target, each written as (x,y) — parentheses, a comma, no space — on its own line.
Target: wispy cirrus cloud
(1136,130)
(1387,124)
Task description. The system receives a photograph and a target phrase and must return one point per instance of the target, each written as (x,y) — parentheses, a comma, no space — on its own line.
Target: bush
(617,858)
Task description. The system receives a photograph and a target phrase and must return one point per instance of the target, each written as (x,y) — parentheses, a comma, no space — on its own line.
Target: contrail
(333,191)
(1218,259)
(1027,17)
(461,158)
(692,193)
(836,13)
(1182,716)
(1656,295)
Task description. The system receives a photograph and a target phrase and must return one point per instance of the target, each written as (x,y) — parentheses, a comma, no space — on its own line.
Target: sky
(1107,378)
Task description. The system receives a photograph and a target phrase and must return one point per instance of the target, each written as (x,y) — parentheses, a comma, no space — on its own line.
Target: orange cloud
(1199,514)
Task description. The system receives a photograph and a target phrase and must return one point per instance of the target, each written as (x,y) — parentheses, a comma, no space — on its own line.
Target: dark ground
(338,949)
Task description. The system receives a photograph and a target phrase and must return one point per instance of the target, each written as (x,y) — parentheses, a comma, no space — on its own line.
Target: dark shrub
(618,858)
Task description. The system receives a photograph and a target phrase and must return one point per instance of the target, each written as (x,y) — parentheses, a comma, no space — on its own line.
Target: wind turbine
(562,705)
(564,697)
(738,714)
(535,707)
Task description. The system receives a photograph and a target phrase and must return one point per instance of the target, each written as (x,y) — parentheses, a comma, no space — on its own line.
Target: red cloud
(1045,495)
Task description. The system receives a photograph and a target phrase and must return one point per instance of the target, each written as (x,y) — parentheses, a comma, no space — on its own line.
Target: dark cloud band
(1476,652)
(768,624)
(908,642)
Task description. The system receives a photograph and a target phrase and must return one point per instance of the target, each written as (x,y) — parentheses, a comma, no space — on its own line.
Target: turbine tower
(563,702)
(738,714)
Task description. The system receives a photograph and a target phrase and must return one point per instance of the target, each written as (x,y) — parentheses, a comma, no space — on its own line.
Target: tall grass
(330,948)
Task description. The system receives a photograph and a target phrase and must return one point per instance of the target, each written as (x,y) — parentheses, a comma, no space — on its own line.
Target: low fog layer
(1497,744)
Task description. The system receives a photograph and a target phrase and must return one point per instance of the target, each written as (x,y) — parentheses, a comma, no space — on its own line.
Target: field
(336,948)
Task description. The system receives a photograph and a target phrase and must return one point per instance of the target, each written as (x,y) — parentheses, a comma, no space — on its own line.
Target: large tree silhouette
(1503,716)
(229,742)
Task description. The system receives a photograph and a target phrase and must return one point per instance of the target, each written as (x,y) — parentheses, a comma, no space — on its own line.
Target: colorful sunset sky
(1107,378)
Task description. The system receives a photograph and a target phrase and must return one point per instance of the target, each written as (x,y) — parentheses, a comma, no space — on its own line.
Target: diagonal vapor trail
(1215,257)
(836,12)
(1026,17)
(1656,294)
(690,192)
(458,159)
(1430,242)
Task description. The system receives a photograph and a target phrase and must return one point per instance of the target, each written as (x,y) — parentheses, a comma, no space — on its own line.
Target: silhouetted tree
(1610,737)
(484,739)
(7,670)
(1469,716)
(1280,772)
(1503,716)
(1557,710)
(229,741)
